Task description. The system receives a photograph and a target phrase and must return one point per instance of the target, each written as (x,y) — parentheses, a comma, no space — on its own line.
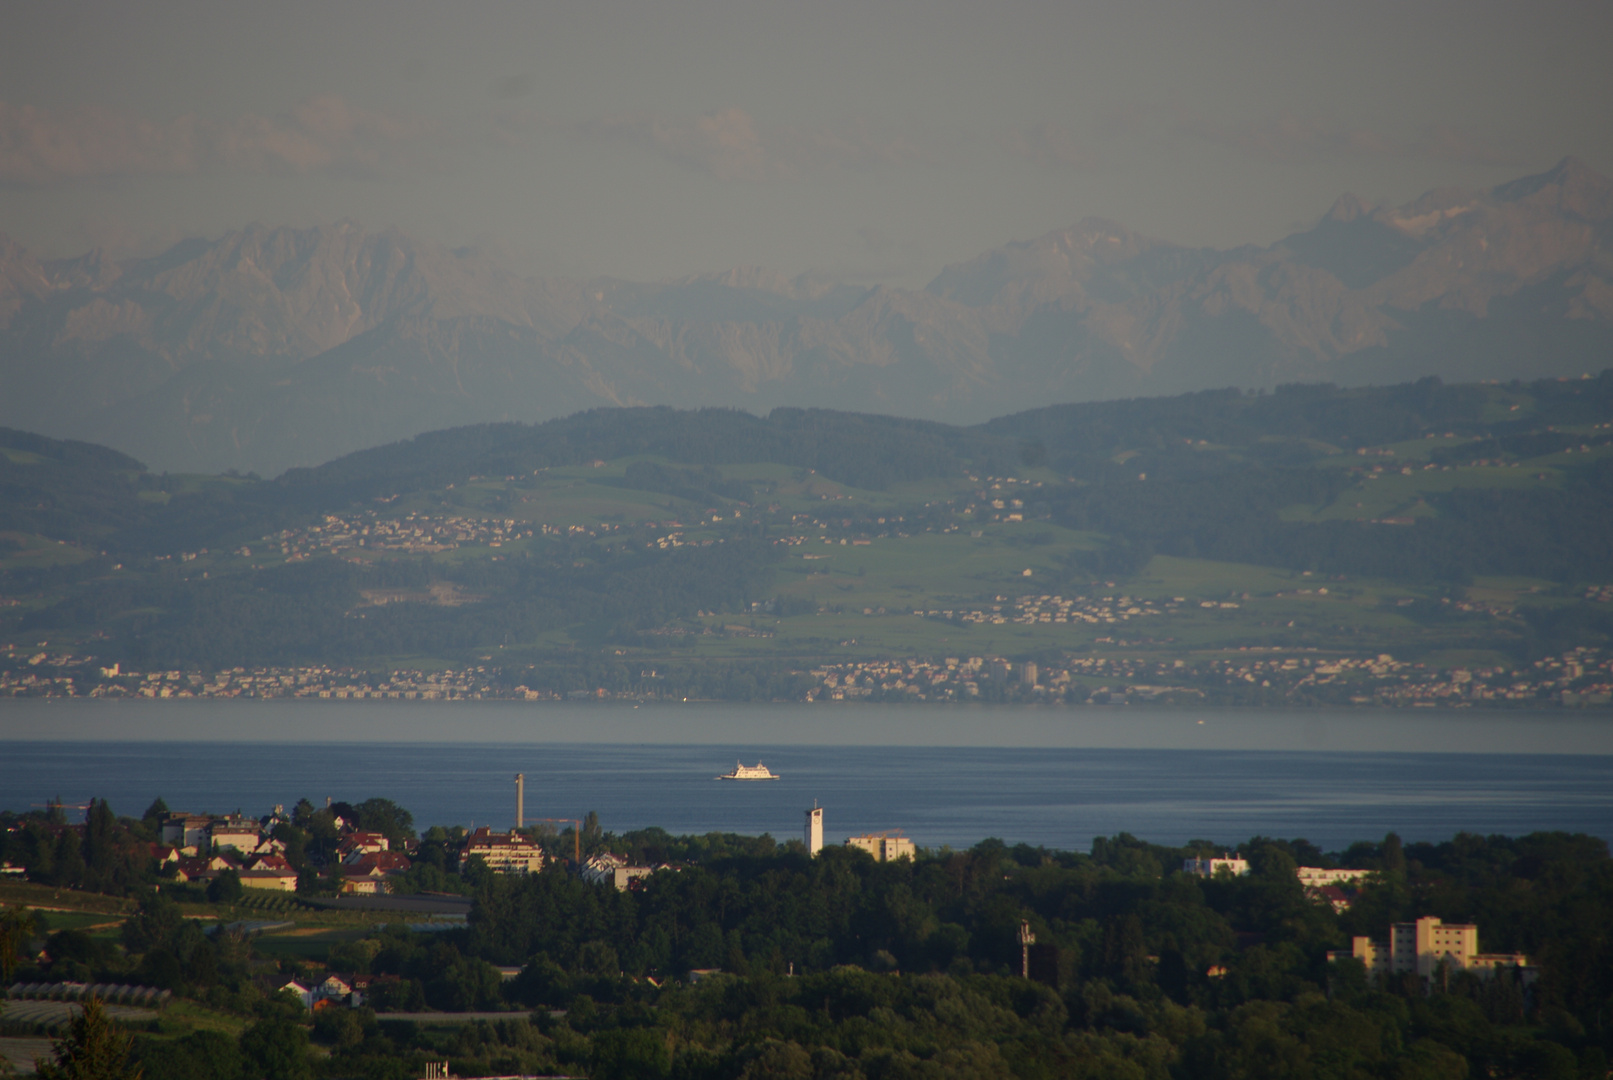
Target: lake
(951,776)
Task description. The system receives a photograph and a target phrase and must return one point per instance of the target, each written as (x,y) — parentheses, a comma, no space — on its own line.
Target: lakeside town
(1580,677)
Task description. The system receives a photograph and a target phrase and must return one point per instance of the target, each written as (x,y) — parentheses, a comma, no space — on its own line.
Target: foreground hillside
(268,348)
(1424,544)
(734,956)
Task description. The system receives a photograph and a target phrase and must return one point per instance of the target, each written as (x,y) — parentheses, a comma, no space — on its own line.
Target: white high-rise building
(814,830)
(1423,945)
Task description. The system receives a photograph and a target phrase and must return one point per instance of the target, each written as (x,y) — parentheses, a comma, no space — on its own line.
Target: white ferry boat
(757,771)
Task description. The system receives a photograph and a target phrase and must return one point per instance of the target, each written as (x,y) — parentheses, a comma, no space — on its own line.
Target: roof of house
(269,862)
(484,837)
(377,862)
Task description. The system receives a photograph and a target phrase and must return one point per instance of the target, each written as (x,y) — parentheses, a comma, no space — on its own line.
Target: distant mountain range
(270,348)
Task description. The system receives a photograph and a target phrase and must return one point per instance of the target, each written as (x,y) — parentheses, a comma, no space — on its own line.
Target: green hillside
(715,553)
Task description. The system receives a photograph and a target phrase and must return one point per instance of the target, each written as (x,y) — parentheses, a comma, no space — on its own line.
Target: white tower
(520,801)
(814,829)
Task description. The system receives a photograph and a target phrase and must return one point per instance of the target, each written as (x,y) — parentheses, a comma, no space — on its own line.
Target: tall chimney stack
(520,800)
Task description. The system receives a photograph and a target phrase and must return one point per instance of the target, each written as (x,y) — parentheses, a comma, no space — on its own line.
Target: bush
(225,888)
(276,1050)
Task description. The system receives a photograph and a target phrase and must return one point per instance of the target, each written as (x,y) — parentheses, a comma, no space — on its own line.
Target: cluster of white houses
(1323,885)
(1309,876)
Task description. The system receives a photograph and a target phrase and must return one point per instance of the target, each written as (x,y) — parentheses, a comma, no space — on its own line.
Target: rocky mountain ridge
(273,347)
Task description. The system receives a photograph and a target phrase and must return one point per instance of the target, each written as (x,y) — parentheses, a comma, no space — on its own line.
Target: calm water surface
(943,776)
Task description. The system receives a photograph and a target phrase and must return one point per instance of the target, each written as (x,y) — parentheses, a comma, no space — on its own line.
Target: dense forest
(841,966)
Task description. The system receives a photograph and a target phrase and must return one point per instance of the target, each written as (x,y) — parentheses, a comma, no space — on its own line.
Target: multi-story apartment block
(235,833)
(183,830)
(1421,947)
(504,853)
(883,847)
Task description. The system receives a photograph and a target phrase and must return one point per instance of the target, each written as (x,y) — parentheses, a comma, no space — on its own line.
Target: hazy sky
(876,141)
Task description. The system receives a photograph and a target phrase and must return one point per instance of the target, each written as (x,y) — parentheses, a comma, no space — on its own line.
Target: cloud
(1291,137)
(729,145)
(1048,145)
(39,147)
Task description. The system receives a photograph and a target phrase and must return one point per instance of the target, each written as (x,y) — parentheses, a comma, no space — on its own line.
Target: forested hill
(1307,414)
(872,451)
(863,450)
(1290,427)
(1482,514)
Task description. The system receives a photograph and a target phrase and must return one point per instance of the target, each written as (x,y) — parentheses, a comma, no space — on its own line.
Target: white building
(504,853)
(1211,865)
(301,992)
(1421,947)
(238,834)
(183,830)
(1314,876)
(608,869)
(884,847)
(814,830)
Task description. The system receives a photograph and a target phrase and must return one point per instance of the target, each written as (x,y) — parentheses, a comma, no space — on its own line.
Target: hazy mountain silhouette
(273,347)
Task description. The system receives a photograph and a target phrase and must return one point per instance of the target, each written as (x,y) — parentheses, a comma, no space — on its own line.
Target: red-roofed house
(1331,895)
(204,867)
(269,862)
(369,873)
(359,844)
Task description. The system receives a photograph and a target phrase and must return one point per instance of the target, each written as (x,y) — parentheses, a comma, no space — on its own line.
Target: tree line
(841,966)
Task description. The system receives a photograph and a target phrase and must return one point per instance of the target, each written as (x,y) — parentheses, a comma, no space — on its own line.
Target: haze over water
(944,776)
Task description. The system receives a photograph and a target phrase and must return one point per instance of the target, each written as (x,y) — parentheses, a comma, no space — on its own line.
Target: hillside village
(1422,545)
